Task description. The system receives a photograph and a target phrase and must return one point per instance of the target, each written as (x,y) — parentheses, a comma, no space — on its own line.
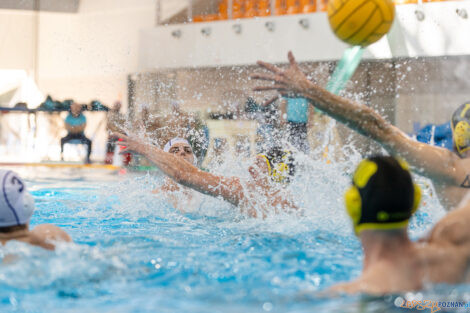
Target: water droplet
(267,306)
(398,301)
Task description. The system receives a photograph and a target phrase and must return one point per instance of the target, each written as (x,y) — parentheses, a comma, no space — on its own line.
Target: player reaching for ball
(449,171)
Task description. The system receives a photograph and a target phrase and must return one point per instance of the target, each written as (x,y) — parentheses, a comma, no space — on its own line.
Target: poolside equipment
(461,128)
(360,22)
(438,135)
(16,203)
(382,196)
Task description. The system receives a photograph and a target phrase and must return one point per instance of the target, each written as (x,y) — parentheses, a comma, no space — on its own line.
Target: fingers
(268,77)
(291,58)
(280,88)
(268,102)
(269,67)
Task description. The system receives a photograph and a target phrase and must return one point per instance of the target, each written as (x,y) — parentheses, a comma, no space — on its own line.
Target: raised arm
(453,228)
(433,162)
(185,173)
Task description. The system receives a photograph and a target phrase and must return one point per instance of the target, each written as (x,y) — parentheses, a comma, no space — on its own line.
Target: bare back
(443,257)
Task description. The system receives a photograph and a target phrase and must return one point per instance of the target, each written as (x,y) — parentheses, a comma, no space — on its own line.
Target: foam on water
(133,252)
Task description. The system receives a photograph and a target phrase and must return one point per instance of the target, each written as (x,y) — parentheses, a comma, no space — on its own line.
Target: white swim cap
(170,143)
(16,203)
(173,141)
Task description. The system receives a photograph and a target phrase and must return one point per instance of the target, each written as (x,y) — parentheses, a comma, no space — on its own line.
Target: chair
(223,10)
(264,8)
(211,17)
(250,9)
(323,6)
(308,6)
(293,7)
(74,150)
(280,8)
(237,9)
(198,18)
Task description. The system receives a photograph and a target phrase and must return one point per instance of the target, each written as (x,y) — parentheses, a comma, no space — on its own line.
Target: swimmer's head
(461,129)
(16,203)
(278,164)
(382,196)
(181,147)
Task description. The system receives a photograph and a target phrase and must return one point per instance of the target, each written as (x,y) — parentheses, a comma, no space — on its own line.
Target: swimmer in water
(179,147)
(380,202)
(449,171)
(265,192)
(16,208)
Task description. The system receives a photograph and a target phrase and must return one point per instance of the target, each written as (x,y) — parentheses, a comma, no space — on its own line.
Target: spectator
(296,112)
(75,124)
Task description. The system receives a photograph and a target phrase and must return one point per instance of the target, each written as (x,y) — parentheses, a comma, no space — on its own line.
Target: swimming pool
(134,253)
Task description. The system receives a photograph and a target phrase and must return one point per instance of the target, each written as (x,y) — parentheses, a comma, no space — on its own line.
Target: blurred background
(163,59)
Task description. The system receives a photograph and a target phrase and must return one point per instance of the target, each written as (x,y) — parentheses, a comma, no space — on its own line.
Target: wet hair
(389,191)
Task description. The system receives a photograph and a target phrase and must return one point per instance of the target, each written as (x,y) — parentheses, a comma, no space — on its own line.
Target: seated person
(380,203)
(263,193)
(16,208)
(75,124)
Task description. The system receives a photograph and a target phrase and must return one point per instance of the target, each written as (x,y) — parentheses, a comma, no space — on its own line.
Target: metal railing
(320,5)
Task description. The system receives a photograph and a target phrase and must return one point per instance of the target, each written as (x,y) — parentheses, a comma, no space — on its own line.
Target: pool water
(133,252)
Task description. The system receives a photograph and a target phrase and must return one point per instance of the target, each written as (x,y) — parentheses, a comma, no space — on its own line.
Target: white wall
(17,31)
(83,56)
(442,32)
(89,55)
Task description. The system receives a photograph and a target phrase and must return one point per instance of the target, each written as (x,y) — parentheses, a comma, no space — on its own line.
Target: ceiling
(66,6)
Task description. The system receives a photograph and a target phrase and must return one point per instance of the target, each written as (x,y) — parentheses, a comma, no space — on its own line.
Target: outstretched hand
(130,144)
(289,81)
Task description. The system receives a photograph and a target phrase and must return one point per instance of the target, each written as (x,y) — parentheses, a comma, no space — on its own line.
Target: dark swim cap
(280,163)
(383,195)
(461,128)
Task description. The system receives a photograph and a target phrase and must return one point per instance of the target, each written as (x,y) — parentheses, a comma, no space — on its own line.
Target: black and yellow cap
(383,195)
(280,163)
(461,128)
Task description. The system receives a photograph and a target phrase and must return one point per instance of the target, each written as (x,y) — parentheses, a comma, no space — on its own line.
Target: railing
(219,10)
(235,9)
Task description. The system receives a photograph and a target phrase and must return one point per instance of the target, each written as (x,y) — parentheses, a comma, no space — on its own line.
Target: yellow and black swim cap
(280,163)
(382,196)
(461,128)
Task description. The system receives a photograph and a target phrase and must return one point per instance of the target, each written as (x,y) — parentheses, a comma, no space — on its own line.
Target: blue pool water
(133,252)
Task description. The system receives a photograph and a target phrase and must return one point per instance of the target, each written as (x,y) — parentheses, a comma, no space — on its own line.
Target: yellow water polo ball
(360,22)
